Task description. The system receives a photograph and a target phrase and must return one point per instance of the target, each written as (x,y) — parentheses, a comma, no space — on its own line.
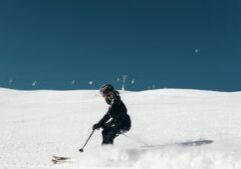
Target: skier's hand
(96,126)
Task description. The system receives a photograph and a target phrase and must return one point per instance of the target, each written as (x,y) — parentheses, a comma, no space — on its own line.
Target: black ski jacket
(116,115)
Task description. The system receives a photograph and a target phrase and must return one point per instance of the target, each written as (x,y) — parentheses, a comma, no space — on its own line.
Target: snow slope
(34,125)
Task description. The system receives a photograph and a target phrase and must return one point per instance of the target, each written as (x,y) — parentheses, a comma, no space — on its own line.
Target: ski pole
(82,149)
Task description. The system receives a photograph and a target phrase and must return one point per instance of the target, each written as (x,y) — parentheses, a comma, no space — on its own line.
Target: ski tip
(54,161)
(60,158)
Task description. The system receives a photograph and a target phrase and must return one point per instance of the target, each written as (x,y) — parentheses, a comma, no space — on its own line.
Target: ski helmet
(106,89)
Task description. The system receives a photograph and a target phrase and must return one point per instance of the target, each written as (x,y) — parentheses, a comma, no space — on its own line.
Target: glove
(96,126)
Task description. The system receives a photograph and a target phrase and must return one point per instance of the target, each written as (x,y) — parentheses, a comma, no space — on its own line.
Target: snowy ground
(34,125)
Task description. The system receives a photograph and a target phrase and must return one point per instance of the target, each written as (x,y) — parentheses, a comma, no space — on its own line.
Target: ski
(59,159)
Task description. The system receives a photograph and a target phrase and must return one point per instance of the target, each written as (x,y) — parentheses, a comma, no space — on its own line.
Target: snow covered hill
(34,125)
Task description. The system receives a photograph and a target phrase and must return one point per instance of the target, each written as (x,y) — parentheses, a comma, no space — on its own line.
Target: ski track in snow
(34,125)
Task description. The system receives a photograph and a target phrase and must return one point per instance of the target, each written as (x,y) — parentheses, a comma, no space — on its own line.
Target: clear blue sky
(174,44)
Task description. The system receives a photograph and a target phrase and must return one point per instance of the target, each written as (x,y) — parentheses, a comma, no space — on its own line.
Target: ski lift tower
(124,77)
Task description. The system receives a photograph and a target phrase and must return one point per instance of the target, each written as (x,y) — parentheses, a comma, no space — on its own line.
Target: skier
(116,121)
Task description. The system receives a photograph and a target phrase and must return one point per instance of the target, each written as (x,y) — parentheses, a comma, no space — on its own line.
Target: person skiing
(116,121)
